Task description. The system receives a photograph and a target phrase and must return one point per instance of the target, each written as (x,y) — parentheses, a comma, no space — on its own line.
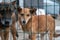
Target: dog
(27,10)
(33,24)
(7,21)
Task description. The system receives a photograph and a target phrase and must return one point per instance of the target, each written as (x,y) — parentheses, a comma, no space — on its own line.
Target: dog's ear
(19,9)
(33,10)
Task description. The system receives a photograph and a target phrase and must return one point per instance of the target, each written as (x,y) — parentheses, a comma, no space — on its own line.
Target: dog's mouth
(4,21)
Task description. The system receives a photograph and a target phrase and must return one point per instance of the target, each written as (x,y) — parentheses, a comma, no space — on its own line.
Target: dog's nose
(7,22)
(24,22)
(5,25)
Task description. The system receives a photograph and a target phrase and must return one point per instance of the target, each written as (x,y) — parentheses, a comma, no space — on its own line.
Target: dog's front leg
(14,31)
(42,36)
(32,36)
(6,34)
(13,28)
(2,35)
(51,36)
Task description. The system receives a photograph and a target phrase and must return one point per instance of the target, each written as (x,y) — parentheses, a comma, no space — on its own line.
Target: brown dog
(7,21)
(36,24)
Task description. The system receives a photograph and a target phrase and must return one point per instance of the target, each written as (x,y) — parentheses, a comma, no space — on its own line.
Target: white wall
(0,0)
(40,12)
(21,3)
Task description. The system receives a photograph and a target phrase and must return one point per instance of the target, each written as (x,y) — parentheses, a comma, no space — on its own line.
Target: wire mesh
(36,4)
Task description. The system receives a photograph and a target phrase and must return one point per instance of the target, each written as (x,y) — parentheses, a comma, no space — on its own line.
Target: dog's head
(25,14)
(6,13)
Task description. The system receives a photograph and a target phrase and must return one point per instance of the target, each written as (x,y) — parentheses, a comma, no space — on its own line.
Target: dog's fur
(4,29)
(36,24)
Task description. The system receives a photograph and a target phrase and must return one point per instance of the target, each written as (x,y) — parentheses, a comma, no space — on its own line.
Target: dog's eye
(27,14)
(22,14)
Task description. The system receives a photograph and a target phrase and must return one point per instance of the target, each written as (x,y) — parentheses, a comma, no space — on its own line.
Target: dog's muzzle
(23,22)
(6,21)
